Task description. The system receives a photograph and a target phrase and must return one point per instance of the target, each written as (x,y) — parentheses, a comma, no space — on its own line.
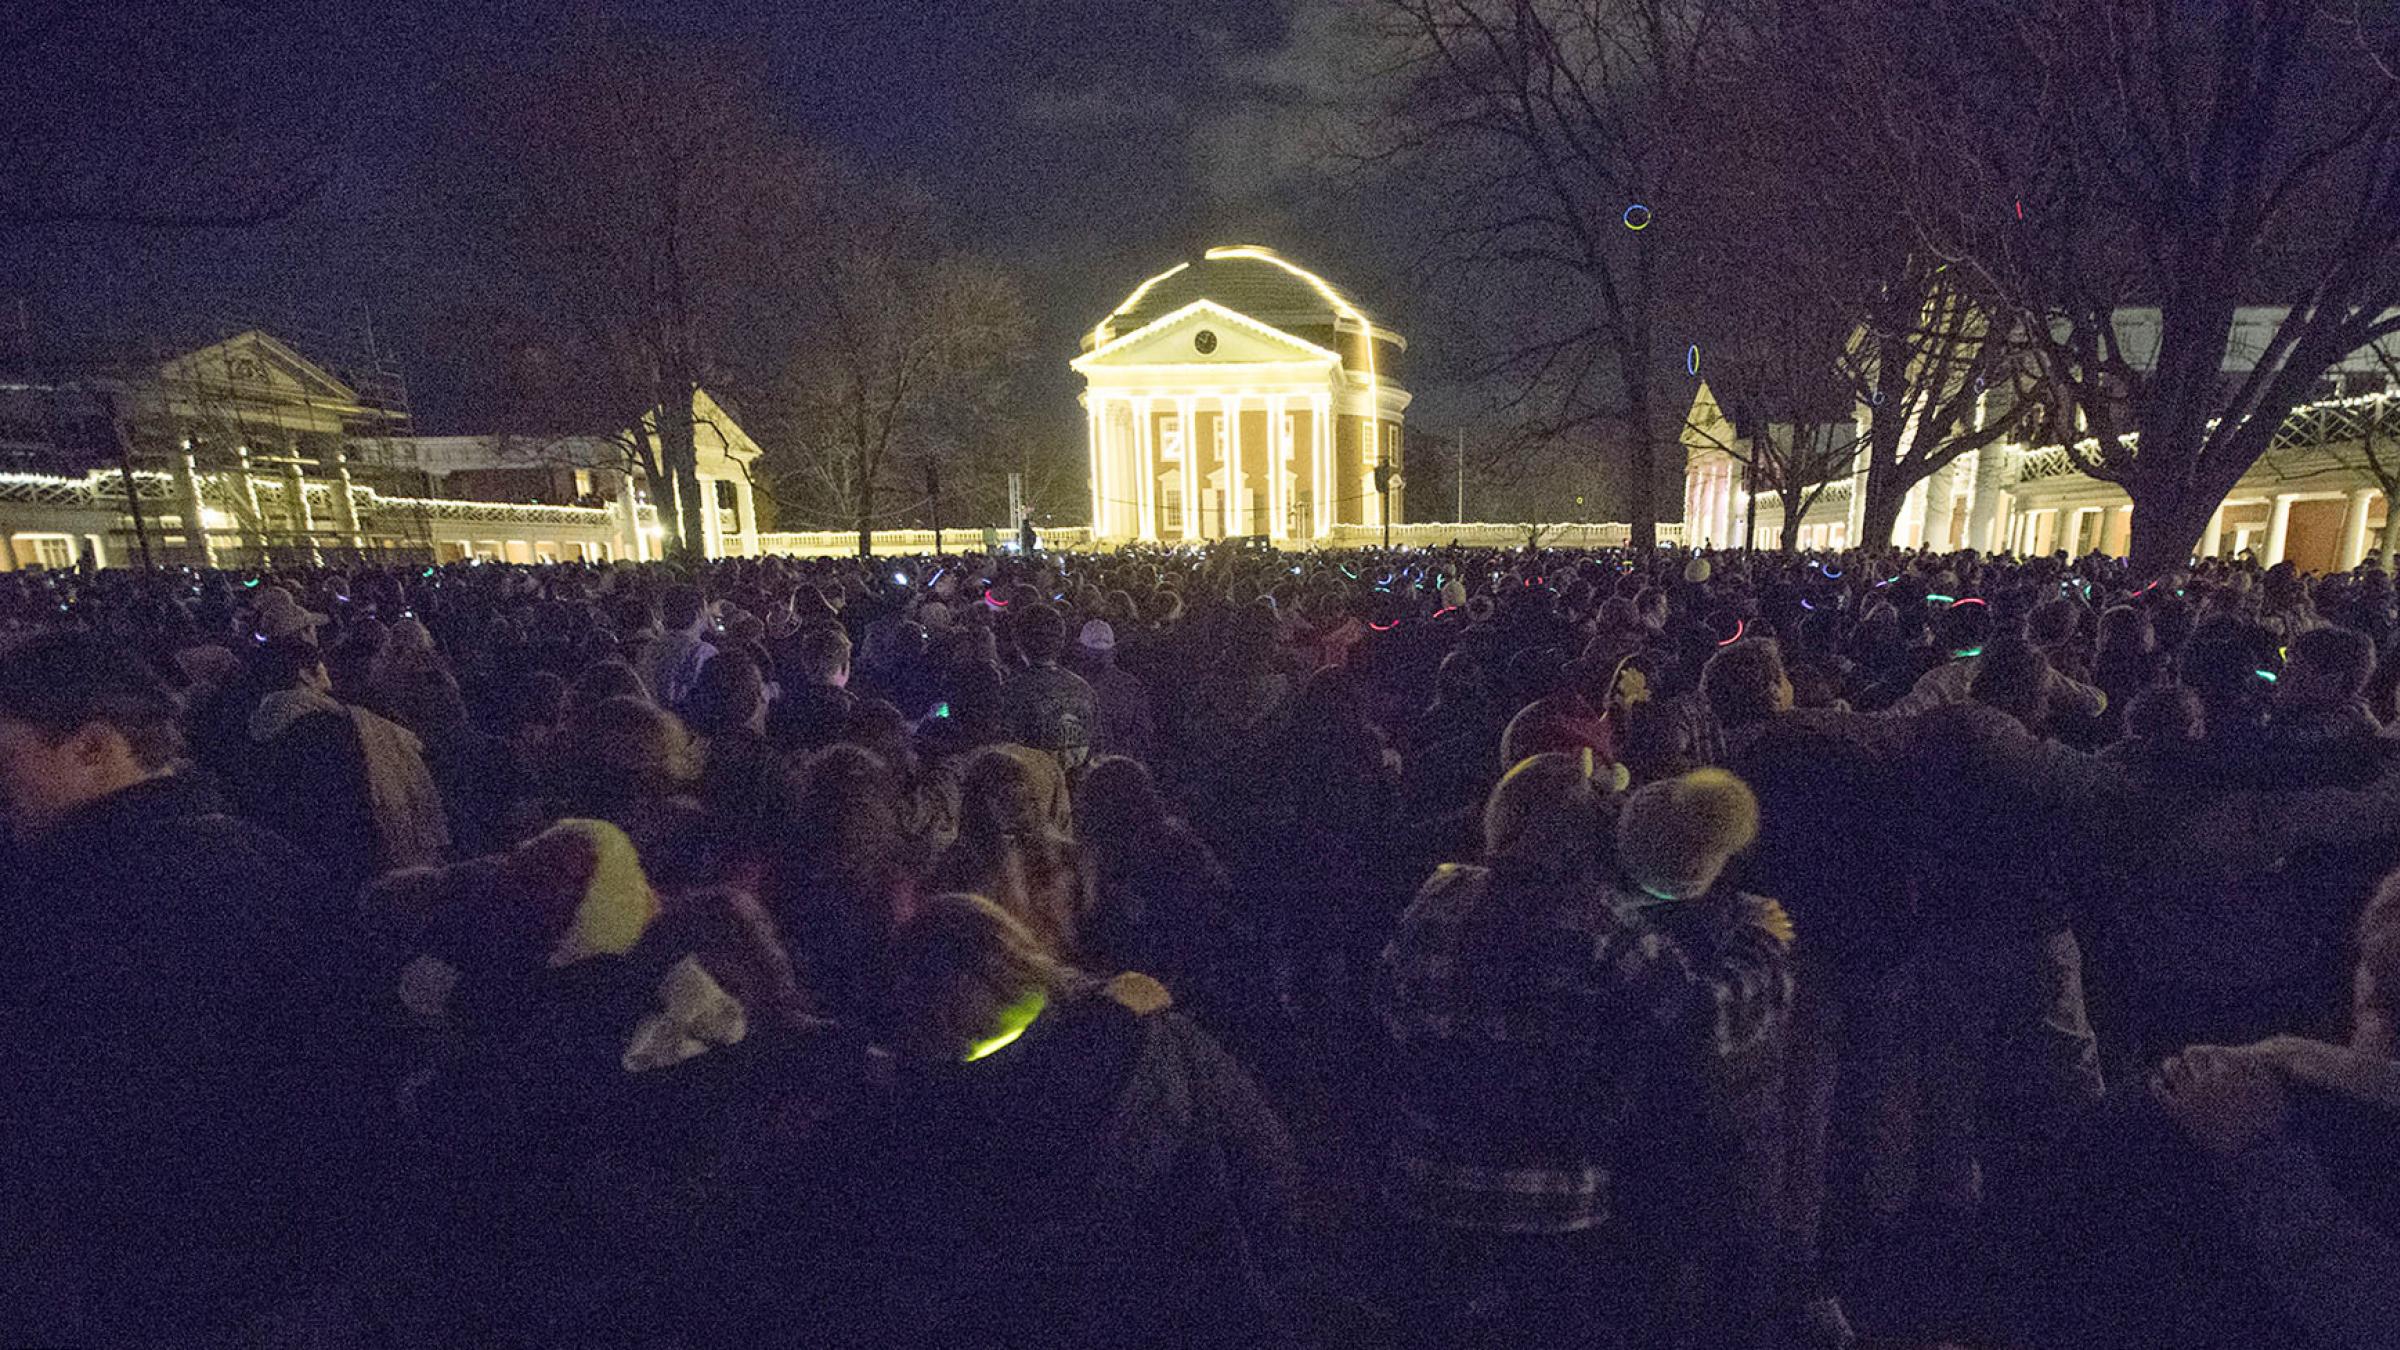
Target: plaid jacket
(1538,1036)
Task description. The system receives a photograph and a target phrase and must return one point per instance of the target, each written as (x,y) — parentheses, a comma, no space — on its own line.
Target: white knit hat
(1675,837)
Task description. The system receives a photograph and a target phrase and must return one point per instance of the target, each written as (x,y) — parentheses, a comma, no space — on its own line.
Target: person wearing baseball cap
(1126,724)
(275,615)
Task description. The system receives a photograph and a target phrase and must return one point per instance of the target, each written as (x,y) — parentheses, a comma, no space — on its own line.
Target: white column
(2071,531)
(295,487)
(345,505)
(2279,528)
(1095,411)
(1279,455)
(2214,536)
(1691,494)
(745,514)
(631,511)
(1230,408)
(1187,410)
(712,521)
(1939,490)
(1124,472)
(1145,471)
(2354,528)
(1984,507)
(1909,531)
(1320,462)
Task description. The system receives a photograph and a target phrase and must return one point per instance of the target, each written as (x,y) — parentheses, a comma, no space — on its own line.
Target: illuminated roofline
(1340,302)
(1166,321)
(1342,306)
(1100,329)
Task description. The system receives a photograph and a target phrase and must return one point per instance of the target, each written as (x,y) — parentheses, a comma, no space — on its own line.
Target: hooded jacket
(347,779)
(181,1059)
(1110,1178)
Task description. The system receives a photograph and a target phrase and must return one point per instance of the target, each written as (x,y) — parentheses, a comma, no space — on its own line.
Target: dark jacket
(1167,908)
(1111,1178)
(807,717)
(1830,842)
(1999,823)
(182,1063)
(557,1198)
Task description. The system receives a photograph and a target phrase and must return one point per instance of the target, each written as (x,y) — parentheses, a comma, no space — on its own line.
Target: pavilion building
(2314,498)
(1241,395)
(247,451)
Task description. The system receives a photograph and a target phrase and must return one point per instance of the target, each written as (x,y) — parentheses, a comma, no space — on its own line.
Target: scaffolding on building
(379,447)
(276,469)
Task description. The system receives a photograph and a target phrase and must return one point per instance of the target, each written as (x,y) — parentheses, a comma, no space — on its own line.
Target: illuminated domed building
(1241,395)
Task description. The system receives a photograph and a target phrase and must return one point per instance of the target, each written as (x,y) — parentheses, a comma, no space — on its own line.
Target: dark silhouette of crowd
(1441,947)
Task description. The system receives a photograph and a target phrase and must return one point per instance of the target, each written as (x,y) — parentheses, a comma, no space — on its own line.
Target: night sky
(1083,143)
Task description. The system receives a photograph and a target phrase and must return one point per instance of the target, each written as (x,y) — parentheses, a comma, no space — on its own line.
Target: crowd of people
(1200,947)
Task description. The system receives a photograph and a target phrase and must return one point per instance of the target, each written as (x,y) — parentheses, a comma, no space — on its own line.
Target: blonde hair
(1544,813)
(1013,844)
(959,964)
(1674,837)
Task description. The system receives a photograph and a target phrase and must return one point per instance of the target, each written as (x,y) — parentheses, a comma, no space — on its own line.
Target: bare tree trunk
(2168,519)
(866,514)
(680,457)
(1795,505)
(662,490)
(1880,516)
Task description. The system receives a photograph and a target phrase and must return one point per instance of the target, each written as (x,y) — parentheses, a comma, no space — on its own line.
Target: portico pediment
(1203,333)
(256,368)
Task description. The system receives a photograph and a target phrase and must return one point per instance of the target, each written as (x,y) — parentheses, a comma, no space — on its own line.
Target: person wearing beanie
(1697,571)
(569,993)
(1572,1051)
(1674,838)
(1120,699)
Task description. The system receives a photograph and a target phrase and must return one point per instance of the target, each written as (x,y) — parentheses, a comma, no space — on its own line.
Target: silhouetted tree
(2078,160)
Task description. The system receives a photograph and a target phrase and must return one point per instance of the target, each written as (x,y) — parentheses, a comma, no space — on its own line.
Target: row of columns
(1927,517)
(713,539)
(1710,504)
(2082,529)
(1126,460)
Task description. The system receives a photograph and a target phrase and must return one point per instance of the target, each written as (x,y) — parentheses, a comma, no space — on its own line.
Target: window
(44,550)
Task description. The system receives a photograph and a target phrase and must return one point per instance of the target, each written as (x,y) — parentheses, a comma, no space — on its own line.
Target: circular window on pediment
(1205,340)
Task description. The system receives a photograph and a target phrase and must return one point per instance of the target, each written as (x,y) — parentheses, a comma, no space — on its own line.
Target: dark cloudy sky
(1087,143)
